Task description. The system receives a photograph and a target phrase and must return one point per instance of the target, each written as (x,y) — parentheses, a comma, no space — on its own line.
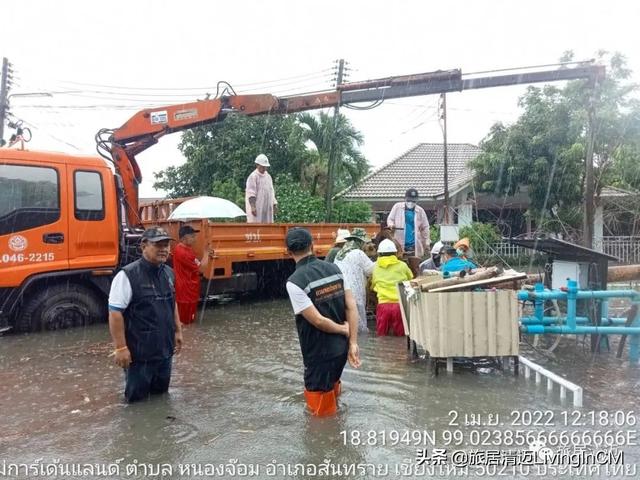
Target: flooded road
(236,398)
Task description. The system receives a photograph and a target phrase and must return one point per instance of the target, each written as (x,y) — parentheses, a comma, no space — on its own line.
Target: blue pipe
(580,295)
(587,329)
(539,303)
(634,341)
(572,297)
(531,320)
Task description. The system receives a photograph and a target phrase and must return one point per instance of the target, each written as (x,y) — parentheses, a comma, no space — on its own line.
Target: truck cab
(59,239)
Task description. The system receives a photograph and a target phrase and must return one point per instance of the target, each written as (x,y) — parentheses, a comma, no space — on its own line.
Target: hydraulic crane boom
(146,127)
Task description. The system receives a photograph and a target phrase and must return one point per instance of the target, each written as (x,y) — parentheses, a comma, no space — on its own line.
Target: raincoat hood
(386,262)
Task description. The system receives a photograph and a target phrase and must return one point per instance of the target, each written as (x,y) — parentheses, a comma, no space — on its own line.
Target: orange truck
(69,222)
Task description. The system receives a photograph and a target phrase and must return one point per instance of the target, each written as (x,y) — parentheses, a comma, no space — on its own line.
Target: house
(422,167)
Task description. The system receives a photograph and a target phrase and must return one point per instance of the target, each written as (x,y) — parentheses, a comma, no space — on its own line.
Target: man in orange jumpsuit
(187,269)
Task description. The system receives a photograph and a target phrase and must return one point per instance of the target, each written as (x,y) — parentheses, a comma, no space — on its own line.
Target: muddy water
(236,393)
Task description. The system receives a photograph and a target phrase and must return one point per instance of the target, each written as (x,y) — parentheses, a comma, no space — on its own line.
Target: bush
(480,234)
(434,233)
(296,204)
(352,212)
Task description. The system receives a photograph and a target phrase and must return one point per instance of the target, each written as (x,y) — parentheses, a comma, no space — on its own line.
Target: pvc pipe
(530,320)
(634,341)
(572,297)
(581,294)
(582,330)
(538,303)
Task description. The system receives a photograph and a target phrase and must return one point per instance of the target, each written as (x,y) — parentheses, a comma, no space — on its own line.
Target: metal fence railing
(627,249)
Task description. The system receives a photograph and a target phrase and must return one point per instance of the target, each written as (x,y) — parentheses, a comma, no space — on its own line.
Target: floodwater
(236,398)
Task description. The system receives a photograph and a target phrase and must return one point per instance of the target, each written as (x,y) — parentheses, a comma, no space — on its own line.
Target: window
(29,197)
(89,198)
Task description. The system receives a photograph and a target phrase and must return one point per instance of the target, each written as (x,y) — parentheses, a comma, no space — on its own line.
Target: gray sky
(157,50)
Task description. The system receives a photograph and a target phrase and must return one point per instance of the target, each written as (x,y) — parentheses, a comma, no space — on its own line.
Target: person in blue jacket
(452,263)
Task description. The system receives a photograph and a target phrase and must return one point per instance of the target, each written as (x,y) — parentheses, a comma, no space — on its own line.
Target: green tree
(297,205)
(544,150)
(351,165)
(220,156)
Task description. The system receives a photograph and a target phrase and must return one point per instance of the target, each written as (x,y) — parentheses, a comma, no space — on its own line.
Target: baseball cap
(155,234)
(412,193)
(186,230)
(298,239)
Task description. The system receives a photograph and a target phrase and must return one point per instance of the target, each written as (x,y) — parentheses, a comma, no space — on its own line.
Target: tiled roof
(421,168)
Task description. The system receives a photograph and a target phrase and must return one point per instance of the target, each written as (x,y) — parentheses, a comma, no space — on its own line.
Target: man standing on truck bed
(260,198)
(143,318)
(187,269)
(326,319)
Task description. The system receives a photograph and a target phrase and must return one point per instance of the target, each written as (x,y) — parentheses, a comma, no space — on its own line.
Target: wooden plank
(486,282)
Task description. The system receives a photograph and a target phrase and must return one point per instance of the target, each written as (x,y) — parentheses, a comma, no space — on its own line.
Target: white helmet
(262,160)
(387,246)
(437,247)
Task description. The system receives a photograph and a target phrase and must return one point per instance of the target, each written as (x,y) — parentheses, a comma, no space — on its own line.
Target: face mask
(410,205)
(460,252)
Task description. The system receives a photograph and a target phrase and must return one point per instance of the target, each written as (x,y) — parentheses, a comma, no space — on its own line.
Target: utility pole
(589,188)
(4,92)
(332,149)
(443,117)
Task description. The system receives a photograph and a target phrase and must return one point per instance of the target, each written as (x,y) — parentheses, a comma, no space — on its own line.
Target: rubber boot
(337,388)
(321,403)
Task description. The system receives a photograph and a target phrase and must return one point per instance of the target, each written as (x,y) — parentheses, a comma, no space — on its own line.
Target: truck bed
(237,245)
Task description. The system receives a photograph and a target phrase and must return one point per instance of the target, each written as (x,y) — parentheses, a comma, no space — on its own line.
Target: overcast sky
(104,61)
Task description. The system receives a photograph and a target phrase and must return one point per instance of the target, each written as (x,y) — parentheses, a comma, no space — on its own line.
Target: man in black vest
(327,322)
(143,318)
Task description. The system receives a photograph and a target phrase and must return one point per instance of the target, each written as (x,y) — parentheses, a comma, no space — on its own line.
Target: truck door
(33,220)
(93,224)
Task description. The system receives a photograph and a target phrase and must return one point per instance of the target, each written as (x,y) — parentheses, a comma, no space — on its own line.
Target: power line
(122,87)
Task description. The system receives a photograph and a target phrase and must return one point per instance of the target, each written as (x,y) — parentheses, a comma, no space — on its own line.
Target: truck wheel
(59,307)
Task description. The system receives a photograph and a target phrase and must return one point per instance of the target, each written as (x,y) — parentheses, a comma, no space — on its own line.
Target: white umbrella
(206,207)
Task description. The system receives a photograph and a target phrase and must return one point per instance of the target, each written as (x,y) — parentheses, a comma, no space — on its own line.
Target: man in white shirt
(143,318)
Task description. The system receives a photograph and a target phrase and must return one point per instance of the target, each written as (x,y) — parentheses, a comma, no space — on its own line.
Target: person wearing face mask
(463,248)
(410,225)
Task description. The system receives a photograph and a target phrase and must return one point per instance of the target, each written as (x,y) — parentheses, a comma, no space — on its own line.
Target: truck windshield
(29,197)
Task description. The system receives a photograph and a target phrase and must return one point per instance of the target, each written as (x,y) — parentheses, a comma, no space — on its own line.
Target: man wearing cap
(326,320)
(143,318)
(341,238)
(410,224)
(260,198)
(187,269)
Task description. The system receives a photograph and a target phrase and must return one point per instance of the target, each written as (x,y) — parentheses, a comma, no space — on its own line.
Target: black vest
(323,283)
(149,319)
